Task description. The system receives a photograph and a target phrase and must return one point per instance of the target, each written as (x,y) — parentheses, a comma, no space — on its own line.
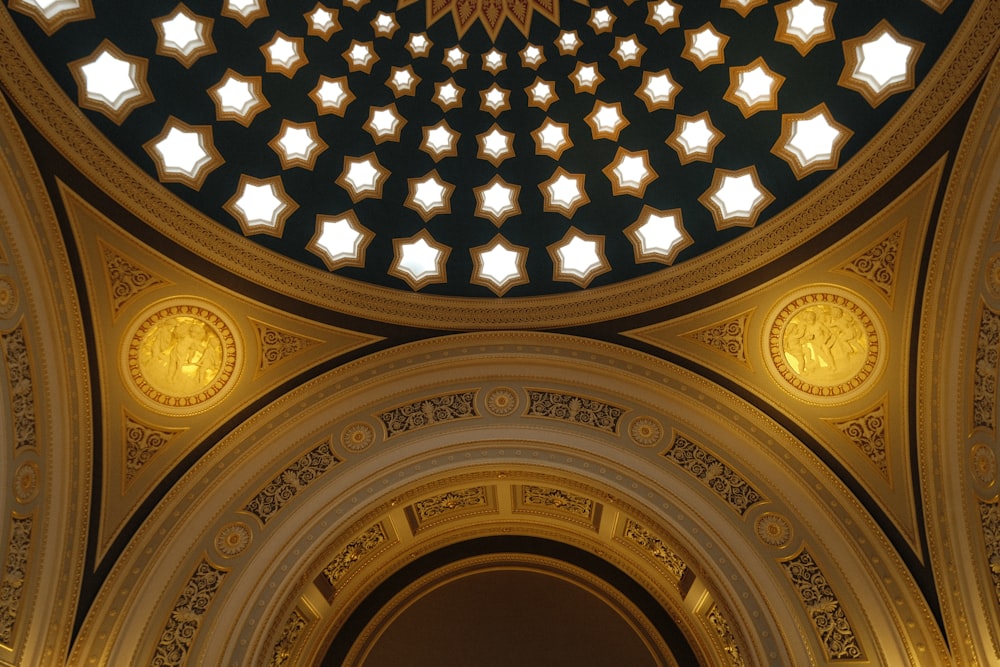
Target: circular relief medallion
(233,539)
(182,355)
(645,431)
(501,402)
(774,530)
(824,343)
(357,437)
(984,464)
(26,480)
(8,297)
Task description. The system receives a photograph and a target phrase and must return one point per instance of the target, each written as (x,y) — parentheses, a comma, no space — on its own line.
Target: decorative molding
(182,626)
(823,608)
(357,437)
(773,530)
(501,402)
(725,482)
(718,622)
(292,480)
(575,409)
(868,431)
(126,279)
(645,431)
(728,337)
(557,499)
(349,557)
(142,442)
(429,411)
(451,505)
(985,369)
(877,263)
(992,274)
(276,345)
(989,515)
(281,655)
(8,297)
(22,389)
(654,547)
(27,479)
(984,464)
(490,13)
(15,573)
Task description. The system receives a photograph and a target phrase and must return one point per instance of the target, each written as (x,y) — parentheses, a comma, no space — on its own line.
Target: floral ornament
(233,539)
(774,530)
(645,431)
(501,402)
(357,437)
(984,464)
(26,481)
(8,297)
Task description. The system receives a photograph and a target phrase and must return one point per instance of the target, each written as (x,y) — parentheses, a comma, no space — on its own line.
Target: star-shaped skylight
(658,236)
(340,240)
(811,141)
(805,23)
(564,192)
(630,173)
(499,265)
(704,46)
(111,81)
(606,120)
(384,123)
(440,141)
(663,15)
(238,98)
(183,153)
(497,200)
(694,138)
(429,195)
(753,87)
(552,138)
(261,205)
(332,96)
(284,54)
(297,145)
(736,198)
(658,90)
(184,35)
(578,258)
(419,260)
(880,64)
(495,145)
(322,21)
(363,177)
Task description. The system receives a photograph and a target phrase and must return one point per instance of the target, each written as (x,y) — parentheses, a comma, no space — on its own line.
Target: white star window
(753,87)
(384,123)
(244,11)
(568,42)
(601,19)
(606,121)
(628,51)
(586,78)
(880,64)
(578,258)
(564,193)
(360,56)
(284,54)
(495,145)
(630,173)
(54,14)
(704,46)
(238,98)
(497,200)
(419,260)
(440,141)
(111,82)
(742,7)
(261,206)
(183,153)
(340,240)
(658,236)
(499,265)
(658,90)
(331,96)
(322,21)
(494,100)
(663,15)
(184,36)
(384,24)
(429,196)
(805,23)
(736,198)
(418,45)
(447,95)
(455,58)
(552,138)
(297,145)
(694,138)
(402,81)
(811,141)
(363,177)
(541,94)
(493,61)
(532,56)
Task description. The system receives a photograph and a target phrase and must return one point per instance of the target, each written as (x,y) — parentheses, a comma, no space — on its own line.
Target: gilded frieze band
(725,482)
(185,619)
(20,381)
(582,410)
(291,481)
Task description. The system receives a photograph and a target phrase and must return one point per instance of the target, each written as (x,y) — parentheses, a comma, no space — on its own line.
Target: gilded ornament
(993,275)
(14,575)
(182,356)
(185,619)
(357,437)
(8,297)
(501,402)
(26,481)
(233,539)
(773,530)
(824,343)
(645,431)
(984,464)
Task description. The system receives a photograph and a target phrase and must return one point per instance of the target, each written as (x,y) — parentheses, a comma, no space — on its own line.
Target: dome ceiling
(486,149)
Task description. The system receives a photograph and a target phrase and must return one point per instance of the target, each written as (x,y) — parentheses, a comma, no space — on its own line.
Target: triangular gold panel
(868,431)
(878,263)
(161,329)
(728,337)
